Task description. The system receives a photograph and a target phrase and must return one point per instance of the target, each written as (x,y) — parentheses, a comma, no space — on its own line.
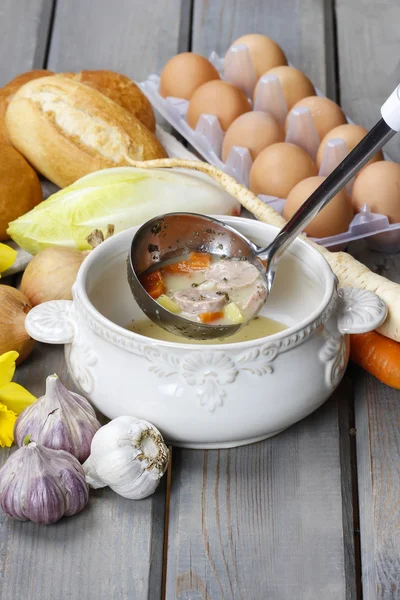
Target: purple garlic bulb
(61,420)
(42,485)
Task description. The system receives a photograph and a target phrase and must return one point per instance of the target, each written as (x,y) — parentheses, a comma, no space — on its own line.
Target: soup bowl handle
(51,322)
(359,311)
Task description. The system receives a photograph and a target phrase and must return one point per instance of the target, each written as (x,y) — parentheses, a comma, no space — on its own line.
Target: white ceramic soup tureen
(211,396)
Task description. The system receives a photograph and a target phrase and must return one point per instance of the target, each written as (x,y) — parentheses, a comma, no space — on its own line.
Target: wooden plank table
(310,514)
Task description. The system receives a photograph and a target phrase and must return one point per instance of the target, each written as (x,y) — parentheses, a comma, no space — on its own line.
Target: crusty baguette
(67,129)
(7,92)
(122,90)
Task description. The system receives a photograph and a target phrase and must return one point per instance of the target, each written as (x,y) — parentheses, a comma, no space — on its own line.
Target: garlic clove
(60,419)
(129,455)
(42,485)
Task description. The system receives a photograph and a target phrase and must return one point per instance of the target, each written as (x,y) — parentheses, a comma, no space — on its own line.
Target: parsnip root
(347,269)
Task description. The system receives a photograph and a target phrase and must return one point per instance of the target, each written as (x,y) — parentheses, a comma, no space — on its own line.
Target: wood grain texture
(378,456)
(348,468)
(369,49)
(113,549)
(263,521)
(301,27)
(24,31)
(131,37)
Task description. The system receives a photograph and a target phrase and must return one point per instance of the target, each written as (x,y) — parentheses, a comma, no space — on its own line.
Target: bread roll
(4,139)
(122,90)
(20,189)
(9,90)
(13,86)
(67,129)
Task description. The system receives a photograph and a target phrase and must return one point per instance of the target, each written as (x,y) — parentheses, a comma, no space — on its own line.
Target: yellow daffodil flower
(7,257)
(13,398)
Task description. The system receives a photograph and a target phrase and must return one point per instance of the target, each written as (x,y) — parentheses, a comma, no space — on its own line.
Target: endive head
(123,197)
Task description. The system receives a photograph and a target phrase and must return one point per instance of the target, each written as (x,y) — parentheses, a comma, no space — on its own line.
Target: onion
(51,274)
(14,307)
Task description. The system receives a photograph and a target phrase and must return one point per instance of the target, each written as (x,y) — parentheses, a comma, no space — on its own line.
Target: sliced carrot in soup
(176,268)
(210,317)
(199,260)
(153,283)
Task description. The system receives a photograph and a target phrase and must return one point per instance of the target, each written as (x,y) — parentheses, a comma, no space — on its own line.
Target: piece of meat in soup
(195,301)
(256,300)
(231,274)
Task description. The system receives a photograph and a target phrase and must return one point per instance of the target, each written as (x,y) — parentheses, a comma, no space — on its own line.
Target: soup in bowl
(220,393)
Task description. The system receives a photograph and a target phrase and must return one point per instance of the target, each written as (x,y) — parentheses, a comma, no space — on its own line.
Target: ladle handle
(375,139)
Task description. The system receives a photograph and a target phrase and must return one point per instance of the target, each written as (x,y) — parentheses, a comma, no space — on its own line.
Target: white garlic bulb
(128,455)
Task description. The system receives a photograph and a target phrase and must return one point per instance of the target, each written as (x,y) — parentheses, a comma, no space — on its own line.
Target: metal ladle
(174,234)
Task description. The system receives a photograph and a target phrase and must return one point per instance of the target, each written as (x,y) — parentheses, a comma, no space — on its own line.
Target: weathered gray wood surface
(263,521)
(368,48)
(378,456)
(134,38)
(302,27)
(24,30)
(273,520)
(269,521)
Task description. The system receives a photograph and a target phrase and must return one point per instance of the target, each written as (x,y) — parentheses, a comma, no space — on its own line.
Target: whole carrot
(378,355)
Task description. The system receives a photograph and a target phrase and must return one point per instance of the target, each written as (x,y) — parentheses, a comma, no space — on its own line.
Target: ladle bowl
(171,235)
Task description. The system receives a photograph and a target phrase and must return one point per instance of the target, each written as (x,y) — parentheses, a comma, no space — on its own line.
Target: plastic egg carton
(208,137)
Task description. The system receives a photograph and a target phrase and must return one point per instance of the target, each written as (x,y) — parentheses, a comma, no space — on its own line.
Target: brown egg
(335,218)
(254,130)
(326,114)
(218,98)
(351,134)
(278,168)
(295,85)
(184,73)
(378,185)
(265,53)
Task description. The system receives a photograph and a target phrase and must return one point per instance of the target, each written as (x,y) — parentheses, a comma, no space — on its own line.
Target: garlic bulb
(42,485)
(128,455)
(14,307)
(60,419)
(51,274)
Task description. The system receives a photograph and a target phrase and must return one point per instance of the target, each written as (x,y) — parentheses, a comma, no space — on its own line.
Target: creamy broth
(258,327)
(207,288)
